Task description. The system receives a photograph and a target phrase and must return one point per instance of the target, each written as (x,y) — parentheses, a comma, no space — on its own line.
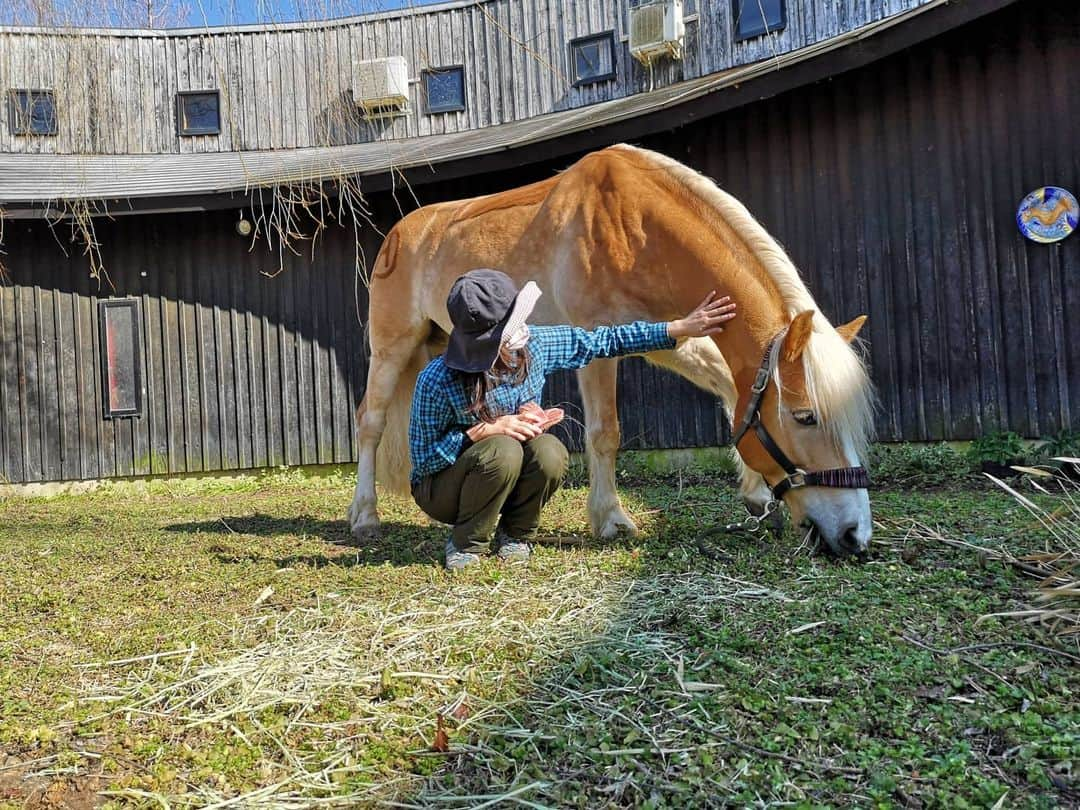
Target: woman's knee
(499,456)
(549,455)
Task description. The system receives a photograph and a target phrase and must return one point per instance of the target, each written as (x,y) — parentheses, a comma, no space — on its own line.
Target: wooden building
(886,143)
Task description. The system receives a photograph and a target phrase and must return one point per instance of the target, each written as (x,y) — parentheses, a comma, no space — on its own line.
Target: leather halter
(839,477)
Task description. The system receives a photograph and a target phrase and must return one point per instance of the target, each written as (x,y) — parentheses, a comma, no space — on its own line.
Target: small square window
(756,17)
(32,112)
(444,89)
(592,58)
(197,112)
(121,357)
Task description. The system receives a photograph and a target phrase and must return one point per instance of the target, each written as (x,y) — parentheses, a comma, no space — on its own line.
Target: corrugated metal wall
(894,189)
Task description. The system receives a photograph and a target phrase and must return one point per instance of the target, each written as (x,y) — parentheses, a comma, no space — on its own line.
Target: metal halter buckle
(797,479)
(761,381)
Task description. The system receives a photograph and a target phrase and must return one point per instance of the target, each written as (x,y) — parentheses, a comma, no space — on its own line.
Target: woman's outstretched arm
(569,347)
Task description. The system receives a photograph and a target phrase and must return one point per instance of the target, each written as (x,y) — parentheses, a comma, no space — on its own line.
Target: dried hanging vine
(286,213)
(5,274)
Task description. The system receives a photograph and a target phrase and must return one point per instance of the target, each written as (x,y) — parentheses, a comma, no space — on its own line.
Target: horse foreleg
(597,383)
(700,361)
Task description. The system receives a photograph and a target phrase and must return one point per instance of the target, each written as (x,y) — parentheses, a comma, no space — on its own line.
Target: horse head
(804,425)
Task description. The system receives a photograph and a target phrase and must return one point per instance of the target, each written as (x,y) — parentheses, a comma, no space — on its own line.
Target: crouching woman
(481,460)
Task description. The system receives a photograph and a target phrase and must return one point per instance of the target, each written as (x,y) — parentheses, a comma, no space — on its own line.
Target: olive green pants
(495,476)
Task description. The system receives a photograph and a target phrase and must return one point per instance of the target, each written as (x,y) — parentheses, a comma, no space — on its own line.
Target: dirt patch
(18,788)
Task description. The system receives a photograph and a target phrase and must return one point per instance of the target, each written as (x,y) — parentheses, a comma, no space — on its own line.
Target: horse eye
(805,417)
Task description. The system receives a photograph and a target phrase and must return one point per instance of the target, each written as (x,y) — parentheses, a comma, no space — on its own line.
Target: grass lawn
(196,643)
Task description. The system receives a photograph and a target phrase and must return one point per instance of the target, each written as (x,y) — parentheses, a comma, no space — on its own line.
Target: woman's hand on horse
(514,425)
(707,318)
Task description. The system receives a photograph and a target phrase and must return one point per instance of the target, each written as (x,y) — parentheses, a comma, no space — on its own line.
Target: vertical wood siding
(892,187)
(240,370)
(287,87)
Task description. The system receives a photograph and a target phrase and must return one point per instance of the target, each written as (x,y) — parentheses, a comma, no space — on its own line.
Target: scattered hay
(317,692)
(646,687)
(1056,564)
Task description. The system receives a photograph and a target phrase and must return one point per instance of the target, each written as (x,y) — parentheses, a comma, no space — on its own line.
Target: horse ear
(849,330)
(798,335)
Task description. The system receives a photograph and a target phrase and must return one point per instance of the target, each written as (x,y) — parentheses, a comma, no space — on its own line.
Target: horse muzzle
(844,531)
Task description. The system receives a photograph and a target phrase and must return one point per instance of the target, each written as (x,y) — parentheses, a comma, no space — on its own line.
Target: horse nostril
(848,540)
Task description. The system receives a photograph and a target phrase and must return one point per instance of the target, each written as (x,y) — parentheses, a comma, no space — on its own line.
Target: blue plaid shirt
(440,403)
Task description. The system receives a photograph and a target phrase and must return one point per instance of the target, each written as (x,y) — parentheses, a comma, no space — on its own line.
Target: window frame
(428,109)
(104,306)
(609,37)
(187,132)
(15,111)
(757,31)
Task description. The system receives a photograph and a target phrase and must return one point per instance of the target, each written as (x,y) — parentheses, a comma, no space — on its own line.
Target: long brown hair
(510,367)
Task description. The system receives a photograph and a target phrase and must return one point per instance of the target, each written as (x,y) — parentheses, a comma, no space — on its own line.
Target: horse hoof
(366,531)
(364,523)
(617,526)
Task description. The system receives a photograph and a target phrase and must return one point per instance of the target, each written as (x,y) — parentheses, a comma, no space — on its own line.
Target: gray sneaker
(456,560)
(511,550)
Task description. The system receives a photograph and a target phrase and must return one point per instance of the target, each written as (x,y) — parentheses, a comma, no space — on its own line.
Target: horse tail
(392,457)
(389,291)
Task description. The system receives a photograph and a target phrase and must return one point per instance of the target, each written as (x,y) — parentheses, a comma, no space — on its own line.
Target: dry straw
(473,653)
(1053,560)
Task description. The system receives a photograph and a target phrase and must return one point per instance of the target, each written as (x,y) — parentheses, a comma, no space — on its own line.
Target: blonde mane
(837,382)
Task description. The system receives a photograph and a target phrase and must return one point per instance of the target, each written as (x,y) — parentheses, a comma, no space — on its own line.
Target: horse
(625,234)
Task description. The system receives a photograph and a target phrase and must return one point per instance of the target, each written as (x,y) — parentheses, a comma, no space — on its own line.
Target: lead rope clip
(753,522)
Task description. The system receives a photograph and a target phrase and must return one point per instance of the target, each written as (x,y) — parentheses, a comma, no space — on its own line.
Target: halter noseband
(839,477)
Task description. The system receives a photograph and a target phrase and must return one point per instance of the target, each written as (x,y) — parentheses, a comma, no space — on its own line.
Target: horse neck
(730,269)
(761,315)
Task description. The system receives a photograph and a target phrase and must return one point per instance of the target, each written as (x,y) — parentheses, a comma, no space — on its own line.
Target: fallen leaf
(461,711)
(442,741)
(267,592)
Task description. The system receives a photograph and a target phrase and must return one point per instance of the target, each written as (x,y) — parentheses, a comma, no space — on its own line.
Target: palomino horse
(628,234)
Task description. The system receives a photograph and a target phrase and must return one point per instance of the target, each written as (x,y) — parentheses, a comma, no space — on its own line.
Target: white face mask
(518,340)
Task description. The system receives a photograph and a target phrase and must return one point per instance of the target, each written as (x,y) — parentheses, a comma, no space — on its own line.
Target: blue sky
(231,12)
(184,13)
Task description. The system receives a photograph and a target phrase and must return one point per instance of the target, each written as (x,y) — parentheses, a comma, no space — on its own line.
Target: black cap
(480,304)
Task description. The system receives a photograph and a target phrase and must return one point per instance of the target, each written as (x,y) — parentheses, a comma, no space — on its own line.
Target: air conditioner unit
(656,29)
(381,86)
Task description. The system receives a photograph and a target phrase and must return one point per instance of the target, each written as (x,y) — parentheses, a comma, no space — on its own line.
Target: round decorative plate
(1048,214)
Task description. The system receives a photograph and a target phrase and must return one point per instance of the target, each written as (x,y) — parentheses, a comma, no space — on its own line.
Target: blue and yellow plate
(1048,214)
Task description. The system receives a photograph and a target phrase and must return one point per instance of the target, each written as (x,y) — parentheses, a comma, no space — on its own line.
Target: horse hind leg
(597,382)
(395,362)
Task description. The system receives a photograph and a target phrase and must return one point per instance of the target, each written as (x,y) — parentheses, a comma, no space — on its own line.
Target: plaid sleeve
(570,347)
(433,444)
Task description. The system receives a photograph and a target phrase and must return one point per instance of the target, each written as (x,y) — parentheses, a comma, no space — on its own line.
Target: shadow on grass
(397,543)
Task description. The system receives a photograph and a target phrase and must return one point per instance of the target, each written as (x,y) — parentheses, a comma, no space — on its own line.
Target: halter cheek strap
(838,477)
